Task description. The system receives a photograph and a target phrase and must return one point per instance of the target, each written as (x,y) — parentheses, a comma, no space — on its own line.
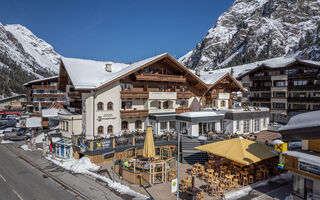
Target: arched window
(100,130)
(124,125)
(110,106)
(223,103)
(100,106)
(138,124)
(110,129)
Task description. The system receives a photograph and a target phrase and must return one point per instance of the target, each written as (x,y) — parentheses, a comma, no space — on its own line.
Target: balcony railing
(44,87)
(182,110)
(131,94)
(304,99)
(48,95)
(304,87)
(302,75)
(260,88)
(161,77)
(259,98)
(134,113)
(184,95)
(260,78)
(74,95)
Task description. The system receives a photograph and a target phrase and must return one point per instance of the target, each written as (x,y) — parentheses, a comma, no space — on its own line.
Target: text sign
(312,169)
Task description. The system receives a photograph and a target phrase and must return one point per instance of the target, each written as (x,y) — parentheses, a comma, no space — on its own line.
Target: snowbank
(25,147)
(6,141)
(84,166)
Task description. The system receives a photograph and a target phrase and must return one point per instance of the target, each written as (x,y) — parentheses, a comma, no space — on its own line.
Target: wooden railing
(129,94)
(260,78)
(184,95)
(48,95)
(133,113)
(259,98)
(304,99)
(74,95)
(260,88)
(161,77)
(44,87)
(182,110)
(304,87)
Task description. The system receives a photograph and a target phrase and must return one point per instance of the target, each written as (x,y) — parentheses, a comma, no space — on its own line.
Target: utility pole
(178,171)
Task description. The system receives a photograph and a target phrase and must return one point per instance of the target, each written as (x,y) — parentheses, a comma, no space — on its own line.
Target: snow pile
(84,166)
(25,147)
(6,141)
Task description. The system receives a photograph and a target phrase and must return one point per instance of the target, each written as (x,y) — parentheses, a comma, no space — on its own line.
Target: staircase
(189,154)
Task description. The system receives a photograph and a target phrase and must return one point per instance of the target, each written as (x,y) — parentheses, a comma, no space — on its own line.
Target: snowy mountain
(23,57)
(253,30)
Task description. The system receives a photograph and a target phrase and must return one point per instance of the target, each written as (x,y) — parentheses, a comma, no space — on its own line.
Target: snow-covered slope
(253,30)
(23,57)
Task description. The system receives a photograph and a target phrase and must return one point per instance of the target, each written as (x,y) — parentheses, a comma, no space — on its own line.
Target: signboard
(281,147)
(310,168)
(106,144)
(109,116)
(174,186)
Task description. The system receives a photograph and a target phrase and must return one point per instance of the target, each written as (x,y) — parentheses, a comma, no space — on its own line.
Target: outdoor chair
(200,196)
(258,175)
(244,181)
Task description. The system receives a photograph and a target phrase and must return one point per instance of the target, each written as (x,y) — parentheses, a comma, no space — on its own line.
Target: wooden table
(210,171)
(187,181)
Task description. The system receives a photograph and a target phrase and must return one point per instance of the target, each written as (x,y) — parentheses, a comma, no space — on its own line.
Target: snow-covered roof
(200,114)
(90,74)
(210,77)
(39,80)
(53,112)
(304,157)
(33,122)
(303,120)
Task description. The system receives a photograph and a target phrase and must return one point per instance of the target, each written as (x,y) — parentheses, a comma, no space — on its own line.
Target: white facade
(70,124)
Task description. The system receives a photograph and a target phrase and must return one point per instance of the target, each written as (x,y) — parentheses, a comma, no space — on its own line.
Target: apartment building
(117,97)
(303,162)
(42,93)
(287,87)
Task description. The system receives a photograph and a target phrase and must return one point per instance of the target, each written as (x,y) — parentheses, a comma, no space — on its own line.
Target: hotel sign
(310,168)
(163,95)
(224,96)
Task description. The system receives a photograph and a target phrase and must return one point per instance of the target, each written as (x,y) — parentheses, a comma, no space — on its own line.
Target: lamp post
(178,171)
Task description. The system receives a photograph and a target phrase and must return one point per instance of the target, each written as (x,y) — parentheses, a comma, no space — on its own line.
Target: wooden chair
(193,171)
(250,179)
(222,174)
(237,175)
(200,196)
(244,181)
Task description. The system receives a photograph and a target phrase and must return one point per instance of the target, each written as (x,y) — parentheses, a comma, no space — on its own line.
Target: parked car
(15,136)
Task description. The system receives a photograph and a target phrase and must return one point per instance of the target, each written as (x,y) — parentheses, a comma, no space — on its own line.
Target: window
(124,125)
(280,83)
(53,99)
(246,126)
(172,124)
(53,91)
(110,129)
(300,82)
(163,125)
(264,122)
(222,103)
(100,130)
(100,106)
(138,124)
(259,74)
(125,86)
(183,126)
(279,105)
(224,125)
(257,125)
(298,185)
(238,125)
(126,105)
(110,106)
(53,83)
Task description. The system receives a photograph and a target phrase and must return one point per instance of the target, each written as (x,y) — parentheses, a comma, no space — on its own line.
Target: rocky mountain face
(23,57)
(253,30)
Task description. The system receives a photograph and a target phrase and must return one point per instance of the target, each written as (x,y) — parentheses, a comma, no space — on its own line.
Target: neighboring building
(117,97)
(303,162)
(287,87)
(43,93)
(12,105)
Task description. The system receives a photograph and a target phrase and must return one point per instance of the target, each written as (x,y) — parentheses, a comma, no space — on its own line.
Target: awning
(242,151)
(148,148)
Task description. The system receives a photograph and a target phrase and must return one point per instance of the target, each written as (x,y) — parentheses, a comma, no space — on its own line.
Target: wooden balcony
(43,103)
(131,94)
(74,95)
(50,87)
(76,104)
(134,113)
(302,75)
(48,95)
(260,88)
(182,110)
(260,98)
(184,95)
(304,99)
(212,95)
(304,87)
(161,78)
(260,78)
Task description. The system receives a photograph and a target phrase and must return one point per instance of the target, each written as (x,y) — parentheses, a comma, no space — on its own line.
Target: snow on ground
(84,166)
(25,147)
(6,141)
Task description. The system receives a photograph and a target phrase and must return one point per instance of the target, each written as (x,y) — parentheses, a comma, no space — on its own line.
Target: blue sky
(120,30)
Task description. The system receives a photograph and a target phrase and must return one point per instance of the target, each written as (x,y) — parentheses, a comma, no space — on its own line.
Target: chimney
(108,67)
(198,72)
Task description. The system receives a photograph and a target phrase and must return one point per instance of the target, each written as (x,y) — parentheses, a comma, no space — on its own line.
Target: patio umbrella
(242,151)
(148,148)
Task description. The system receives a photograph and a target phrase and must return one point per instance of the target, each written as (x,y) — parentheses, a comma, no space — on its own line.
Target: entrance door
(308,187)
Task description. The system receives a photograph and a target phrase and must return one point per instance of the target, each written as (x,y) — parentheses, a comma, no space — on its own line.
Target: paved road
(20,181)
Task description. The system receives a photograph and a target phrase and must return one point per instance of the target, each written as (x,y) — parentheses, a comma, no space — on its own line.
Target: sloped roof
(303,120)
(90,74)
(42,79)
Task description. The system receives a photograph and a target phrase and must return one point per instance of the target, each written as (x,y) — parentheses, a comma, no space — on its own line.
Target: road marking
(17,194)
(3,178)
